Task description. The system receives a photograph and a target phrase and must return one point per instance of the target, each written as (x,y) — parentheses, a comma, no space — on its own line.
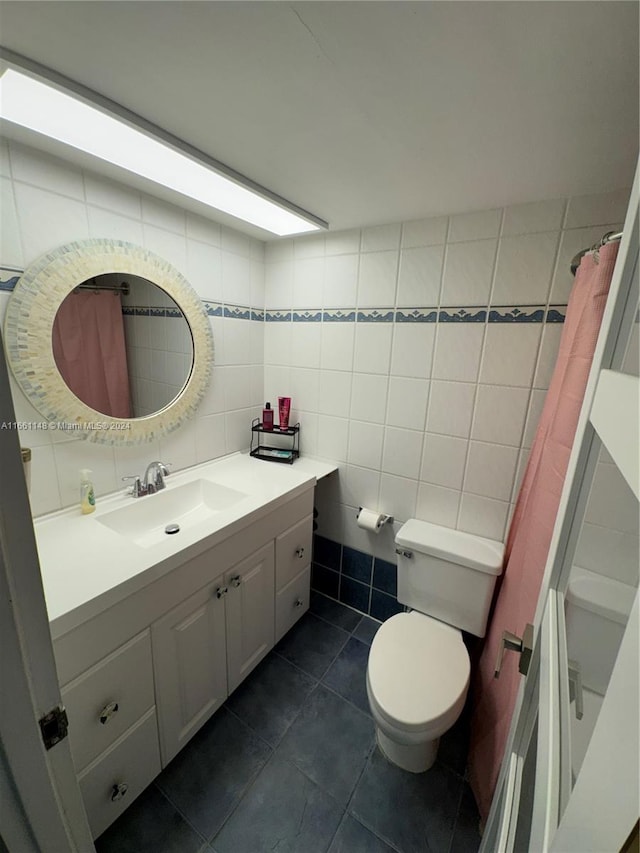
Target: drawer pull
(221,591)
(299,602)
(118,791)
(300,553)
(108,711)
(236,581)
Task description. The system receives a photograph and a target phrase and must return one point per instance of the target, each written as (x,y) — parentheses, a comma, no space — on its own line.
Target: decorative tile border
(152,311)
(8,279)
(462,315)
(522,314)
(373,315)
(556,314)
(277,316)
(237,312)
(213,309)
(417,315)
(313,316)
(339,315)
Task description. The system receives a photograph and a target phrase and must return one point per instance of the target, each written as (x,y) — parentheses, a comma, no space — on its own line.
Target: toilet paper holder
(384,519)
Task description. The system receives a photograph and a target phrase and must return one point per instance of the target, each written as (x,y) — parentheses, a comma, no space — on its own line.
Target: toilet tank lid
(485,555)
(600,594)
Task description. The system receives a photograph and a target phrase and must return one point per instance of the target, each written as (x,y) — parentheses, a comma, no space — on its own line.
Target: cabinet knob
(236,580)
(221,591)
(299,602)
(300,553)
(107,712)
(118,791)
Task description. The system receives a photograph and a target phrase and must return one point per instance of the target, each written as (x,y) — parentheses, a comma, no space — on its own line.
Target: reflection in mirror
(122,345)
(600,595)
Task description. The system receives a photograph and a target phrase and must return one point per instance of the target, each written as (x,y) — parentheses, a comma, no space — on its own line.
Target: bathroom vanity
(152,632)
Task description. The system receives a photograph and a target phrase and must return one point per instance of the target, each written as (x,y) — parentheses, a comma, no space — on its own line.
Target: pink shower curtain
(89,350)
(533,521)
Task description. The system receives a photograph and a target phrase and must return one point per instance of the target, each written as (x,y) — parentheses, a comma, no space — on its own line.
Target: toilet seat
(418,673)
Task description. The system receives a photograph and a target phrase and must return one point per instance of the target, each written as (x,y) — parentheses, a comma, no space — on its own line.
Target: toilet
(597,609)
(418,668)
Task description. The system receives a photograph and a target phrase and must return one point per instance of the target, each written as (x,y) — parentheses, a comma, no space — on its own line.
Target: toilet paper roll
(371,520)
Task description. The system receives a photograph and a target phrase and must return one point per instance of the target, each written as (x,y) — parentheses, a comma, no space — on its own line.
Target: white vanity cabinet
(206,646)
(141,677)
(190,666)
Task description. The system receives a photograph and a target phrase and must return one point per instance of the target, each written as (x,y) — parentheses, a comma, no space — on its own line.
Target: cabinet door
(189,663)
(250,613)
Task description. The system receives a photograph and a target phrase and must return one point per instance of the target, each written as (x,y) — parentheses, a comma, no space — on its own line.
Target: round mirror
(110,340)
(122,345)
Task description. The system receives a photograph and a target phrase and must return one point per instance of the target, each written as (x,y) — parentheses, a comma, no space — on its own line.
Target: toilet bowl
(418,669)
(417,682)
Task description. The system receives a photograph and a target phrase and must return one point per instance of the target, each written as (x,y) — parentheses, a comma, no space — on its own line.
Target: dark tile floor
(289,764)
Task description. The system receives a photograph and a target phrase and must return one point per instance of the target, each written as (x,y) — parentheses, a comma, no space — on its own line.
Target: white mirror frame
(28,331)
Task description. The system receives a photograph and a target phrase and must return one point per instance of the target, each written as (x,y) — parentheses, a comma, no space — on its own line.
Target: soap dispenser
(87,495)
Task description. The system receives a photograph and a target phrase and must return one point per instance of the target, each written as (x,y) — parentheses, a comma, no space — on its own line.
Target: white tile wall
(419,278)
(427,420)
(438,417)
(468,273)
(377,279)
(46,203)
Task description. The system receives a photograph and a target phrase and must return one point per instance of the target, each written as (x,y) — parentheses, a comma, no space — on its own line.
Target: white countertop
(87,567)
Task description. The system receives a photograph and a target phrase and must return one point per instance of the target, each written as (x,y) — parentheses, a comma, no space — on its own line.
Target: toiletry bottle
(284,407)
(267,416)
(87,496)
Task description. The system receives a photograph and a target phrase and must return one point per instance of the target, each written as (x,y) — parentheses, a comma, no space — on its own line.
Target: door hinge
(54,726)
(512,643)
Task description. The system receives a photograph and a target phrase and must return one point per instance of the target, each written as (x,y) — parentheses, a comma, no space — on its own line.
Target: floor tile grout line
(245,725)
(178,809)
(455,820)
(360,613)
(249,783)
(344,699)
(367,763)
(249,728)
(241,797)
(297,714)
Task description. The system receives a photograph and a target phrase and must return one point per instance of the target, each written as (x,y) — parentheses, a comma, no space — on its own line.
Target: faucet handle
(136,489)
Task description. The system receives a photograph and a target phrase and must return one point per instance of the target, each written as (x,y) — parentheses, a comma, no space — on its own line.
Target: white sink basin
(144,521)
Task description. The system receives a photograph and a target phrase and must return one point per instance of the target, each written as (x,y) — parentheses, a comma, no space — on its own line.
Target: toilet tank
(597,609)
(447,574)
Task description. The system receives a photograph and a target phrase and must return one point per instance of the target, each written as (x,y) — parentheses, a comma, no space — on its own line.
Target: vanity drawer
(108,698)
(292,602)
(293,551)
(131,763)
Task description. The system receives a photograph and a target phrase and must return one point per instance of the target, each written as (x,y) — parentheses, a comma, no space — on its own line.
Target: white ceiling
(367,112)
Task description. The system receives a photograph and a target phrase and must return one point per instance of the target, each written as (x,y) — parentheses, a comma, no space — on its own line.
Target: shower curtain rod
(122,289)
(609,237)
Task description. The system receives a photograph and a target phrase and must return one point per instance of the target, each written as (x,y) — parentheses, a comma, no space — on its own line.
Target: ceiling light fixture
(70,119)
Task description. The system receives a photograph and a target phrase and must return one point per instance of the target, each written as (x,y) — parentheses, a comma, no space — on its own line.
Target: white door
(41,809)
(569,780)
(250,613)
(190,666)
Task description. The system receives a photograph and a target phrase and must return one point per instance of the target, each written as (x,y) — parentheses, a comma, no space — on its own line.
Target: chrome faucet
(152,482)
(154,477)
